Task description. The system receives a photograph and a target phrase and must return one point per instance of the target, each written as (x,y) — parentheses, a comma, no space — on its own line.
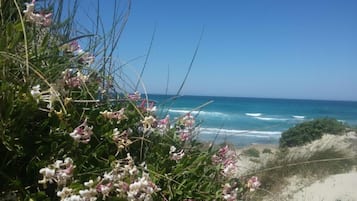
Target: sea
(245,121)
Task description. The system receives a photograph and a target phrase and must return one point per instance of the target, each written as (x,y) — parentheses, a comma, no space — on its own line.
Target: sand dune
(339,187)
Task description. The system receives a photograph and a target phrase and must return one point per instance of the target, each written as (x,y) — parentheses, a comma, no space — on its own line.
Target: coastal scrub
(70,131)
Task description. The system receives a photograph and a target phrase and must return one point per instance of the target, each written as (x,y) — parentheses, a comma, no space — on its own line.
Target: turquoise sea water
(243,121)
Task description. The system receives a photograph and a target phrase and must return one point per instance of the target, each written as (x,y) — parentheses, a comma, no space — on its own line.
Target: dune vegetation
(73,127)
(70,130)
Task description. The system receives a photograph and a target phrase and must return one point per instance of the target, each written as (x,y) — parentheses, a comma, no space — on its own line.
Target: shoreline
(239,141)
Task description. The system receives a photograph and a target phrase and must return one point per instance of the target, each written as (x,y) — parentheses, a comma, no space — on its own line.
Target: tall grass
(69,129)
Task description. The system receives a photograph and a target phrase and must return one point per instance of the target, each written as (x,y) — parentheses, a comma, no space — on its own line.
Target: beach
(300,187)
(245,121)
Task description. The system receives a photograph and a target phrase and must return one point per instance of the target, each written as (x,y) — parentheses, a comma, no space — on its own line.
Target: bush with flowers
(65,136)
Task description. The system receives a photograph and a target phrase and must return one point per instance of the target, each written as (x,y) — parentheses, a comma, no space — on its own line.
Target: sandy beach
(334,187)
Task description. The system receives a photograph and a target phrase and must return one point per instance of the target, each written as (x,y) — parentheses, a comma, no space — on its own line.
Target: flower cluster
(50,96)
(82,133)
(186,127)
(163,125)
(227,159)
(142,189)
(124,181)
(253,183)
(59,172)
(148,123)
(67,194)
(148,106)
(74,81)
(37,18)
(230,192)
(135,96)
(176,156)
(84,57)
(121,139)
(117,115)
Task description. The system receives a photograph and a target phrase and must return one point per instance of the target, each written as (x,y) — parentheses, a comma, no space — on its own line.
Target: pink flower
(86,58)
(164,124)
(188,121)
(148,106)
(60,172)
(229,192)
(134,97)
(117,115)
(227,159)
(253,183)
(223,151)
(184,136)
(74,81)
(82,133)
(104,189)
(73,46)
(37,18)
(176,156)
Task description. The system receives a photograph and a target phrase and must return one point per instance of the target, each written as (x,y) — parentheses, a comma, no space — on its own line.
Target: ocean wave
(182,111)
(271,119)
(298,117)
(248,133)
(204,113)
(253,114)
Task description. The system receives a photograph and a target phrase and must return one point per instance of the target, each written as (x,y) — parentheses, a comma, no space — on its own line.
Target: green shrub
(309,131)
(252,152)
(64,135)
(267,151)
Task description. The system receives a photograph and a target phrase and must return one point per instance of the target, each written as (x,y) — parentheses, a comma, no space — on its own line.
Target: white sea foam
(204,113)
(247,133)
(341,121)
(253,114)
(181,111)
(271,119)
(298,117)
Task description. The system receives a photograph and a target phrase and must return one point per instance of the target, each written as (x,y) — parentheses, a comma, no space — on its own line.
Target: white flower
(50,96)
(230,170)
(65,192)
(88,194)
(176,156)
(37,18)
(49,175)
(107,176)
(229,193)
(36,92)
(117,115)
(104,189)
(172,149)
(74,198)
(253,183)
(59,172)
(90,183)
(148,122)
(82,133)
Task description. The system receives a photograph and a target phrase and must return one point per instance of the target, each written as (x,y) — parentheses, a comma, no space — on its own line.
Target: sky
(304,49)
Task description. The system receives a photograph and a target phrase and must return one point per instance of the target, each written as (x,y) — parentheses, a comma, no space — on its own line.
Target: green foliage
(252,152)
(309,131)
(267,151)
(36,126)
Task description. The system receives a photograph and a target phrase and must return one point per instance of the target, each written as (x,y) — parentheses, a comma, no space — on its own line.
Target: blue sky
(280,49)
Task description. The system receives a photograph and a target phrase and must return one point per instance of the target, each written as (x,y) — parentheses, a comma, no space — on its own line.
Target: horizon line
(231,96)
